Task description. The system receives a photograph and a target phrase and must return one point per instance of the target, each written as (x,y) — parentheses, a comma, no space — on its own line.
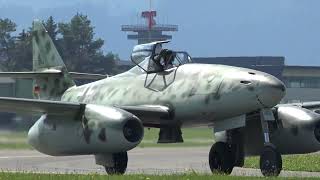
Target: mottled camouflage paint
(198,93)
(46,57)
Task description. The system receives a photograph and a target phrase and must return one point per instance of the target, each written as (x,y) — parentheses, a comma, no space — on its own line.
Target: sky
(288,28)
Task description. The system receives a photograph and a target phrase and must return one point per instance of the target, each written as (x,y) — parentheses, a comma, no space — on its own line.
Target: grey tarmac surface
(141,160)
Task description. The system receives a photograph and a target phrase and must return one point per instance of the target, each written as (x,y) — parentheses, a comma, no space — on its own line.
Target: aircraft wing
(150,115)
(34,106)
(308,105)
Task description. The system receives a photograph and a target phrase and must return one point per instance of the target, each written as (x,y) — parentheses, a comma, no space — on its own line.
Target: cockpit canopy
(152,58)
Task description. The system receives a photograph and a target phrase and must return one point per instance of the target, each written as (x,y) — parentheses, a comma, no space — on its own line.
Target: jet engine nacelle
(296,130)
(99,130)
(299,130)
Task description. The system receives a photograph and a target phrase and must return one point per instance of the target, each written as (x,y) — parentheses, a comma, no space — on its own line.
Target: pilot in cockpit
(165,59)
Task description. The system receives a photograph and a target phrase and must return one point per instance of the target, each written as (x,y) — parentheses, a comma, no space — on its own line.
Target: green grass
(308,162)
(16,146)
(33,176)
(14,140)
(192,138)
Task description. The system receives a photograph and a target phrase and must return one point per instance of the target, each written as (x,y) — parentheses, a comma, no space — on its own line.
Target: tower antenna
(150,5)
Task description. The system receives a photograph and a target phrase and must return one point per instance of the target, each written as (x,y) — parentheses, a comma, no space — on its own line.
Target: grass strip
(35,176)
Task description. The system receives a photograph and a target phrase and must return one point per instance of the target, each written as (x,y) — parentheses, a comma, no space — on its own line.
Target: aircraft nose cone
(272,90)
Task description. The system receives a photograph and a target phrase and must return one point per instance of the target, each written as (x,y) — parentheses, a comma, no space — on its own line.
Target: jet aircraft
(165,90)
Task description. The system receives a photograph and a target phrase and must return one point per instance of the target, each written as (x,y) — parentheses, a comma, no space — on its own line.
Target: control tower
(150,31)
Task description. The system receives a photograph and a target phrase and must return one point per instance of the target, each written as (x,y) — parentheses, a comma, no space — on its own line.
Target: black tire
(270,161)
(120,164)
(221,158)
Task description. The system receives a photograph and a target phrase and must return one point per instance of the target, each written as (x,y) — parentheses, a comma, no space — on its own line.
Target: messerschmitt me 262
(164,90)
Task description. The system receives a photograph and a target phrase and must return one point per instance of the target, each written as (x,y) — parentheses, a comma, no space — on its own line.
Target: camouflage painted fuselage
(199,94)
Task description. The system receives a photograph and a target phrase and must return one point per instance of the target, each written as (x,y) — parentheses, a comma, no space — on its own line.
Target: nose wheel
(270,161)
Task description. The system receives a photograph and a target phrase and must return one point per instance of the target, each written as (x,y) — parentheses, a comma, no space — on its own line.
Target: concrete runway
(141,160)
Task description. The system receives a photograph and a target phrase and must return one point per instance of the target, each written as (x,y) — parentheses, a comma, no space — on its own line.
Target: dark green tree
(22,59)
(81,51)
(7,42)
(52,28)
(77,45)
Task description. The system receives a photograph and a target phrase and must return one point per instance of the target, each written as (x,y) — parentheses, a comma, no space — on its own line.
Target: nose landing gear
(229,152)
(270,161)
(270,158)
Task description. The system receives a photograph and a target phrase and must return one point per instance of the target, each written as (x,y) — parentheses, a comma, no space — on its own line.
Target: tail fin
(45,59)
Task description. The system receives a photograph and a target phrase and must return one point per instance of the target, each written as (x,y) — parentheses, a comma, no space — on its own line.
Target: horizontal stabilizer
(52,73)
(30,75)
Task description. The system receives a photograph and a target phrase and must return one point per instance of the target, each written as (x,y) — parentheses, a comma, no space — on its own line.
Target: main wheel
(221,158)
(270,161)
(120,164)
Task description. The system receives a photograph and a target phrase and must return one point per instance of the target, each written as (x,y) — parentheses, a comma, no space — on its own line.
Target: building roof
(270,64)
(301,71)
(243,61)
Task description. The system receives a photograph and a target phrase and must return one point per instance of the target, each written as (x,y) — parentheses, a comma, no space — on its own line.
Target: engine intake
(133,130)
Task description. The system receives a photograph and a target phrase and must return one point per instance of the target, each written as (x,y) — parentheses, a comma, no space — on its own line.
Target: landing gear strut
(120,162)
(270,158)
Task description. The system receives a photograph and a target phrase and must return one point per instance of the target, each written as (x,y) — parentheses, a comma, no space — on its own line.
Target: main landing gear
(120,162)
(114,164)
(225,155)
(221,158)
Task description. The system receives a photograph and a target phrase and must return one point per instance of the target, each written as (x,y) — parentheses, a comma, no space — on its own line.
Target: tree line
(75,41)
